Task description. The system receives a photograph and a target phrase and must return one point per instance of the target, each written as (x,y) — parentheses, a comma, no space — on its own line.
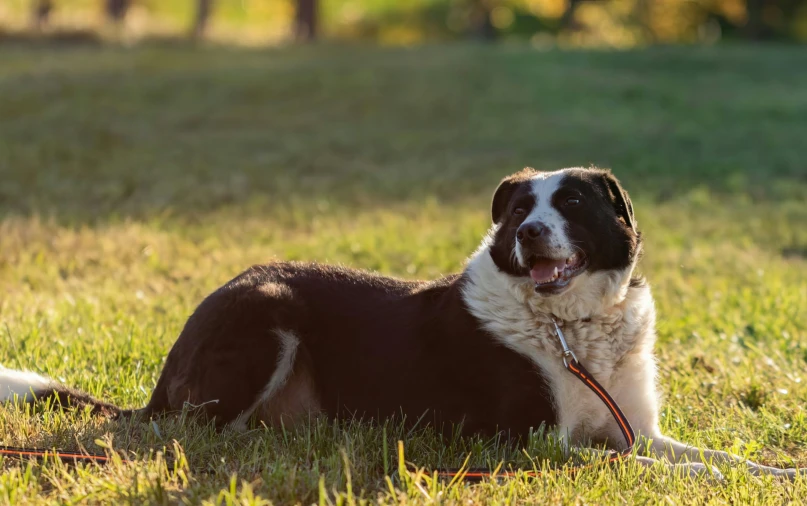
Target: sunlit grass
(134,182)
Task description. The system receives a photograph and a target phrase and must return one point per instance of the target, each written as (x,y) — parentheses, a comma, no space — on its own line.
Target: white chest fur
(612,335)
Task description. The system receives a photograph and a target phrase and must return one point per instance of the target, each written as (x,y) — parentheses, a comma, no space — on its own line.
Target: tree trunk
(116,10)
(755,27)
(305,20)
(203,11)
(481,24)
(40,13)
(567,21)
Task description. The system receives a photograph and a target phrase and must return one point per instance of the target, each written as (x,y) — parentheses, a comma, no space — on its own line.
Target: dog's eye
(572,201)
(519,211)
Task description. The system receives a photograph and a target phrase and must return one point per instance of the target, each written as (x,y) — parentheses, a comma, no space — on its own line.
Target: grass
(135,181)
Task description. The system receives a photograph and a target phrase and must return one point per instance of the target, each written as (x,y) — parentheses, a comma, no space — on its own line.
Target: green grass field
(134,182)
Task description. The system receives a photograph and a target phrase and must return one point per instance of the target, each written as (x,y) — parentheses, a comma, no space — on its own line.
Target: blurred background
(152,149)
(612,23)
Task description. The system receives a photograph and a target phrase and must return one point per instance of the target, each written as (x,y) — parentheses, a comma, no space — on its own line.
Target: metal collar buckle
(567,352)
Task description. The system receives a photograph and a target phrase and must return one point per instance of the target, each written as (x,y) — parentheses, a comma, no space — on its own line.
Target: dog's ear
(501,198)
(505,192)
(619,199)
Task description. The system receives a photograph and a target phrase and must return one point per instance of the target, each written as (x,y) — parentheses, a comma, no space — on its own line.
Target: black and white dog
(286,340)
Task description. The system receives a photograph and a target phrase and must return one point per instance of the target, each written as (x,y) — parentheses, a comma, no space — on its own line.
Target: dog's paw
(700,470)
(787,474)
(793,472)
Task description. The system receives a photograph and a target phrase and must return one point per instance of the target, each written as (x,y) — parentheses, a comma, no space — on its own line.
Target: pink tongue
(545,268)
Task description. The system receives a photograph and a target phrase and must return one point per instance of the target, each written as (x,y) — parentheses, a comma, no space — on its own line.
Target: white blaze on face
(544,187)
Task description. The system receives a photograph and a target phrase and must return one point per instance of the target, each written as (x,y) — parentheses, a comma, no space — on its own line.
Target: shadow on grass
(52,39)
(286,463)
(91,134)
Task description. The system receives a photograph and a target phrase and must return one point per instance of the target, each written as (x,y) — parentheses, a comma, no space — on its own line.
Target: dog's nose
(531,231)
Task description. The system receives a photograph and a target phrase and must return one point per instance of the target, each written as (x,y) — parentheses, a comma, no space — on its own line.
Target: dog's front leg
(677,452)
(692,469)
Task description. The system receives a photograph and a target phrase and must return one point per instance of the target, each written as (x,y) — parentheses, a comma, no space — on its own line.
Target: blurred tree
(40,13)
(768,19)
(755,26)
(305,20)
(622,23)
(481,22)
(567,21)
(203,11)
(116,10)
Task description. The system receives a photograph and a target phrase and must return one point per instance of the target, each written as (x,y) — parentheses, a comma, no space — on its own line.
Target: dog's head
(559,229)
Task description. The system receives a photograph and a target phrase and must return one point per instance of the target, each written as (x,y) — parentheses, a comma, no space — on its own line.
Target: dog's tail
(25,386)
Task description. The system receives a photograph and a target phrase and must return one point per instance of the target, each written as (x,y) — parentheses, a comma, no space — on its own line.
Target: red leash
(65,456)
(569,361)
(576,368)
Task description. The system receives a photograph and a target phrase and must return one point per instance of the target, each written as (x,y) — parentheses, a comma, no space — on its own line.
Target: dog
(476,349)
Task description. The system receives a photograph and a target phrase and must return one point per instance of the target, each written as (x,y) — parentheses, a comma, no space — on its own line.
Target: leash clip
(567,352)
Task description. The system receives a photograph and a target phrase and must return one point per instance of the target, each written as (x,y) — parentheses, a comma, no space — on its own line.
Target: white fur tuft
(609,326)
(289,343)
(543,187)
(21,385)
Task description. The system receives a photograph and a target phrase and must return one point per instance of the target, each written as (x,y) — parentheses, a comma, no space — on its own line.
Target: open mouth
(552,273)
